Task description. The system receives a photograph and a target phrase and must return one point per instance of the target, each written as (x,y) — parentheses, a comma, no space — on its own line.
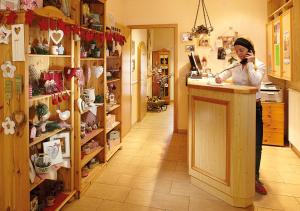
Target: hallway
(150,173)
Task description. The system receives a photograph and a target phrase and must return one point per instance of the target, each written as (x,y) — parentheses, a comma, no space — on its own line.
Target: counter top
(210,84)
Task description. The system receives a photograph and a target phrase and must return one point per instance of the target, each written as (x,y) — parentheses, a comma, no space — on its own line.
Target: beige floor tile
(203,204)
(158,200)
(271,201)
(117,206)
(264,209)
(84,203)
(109,192)
(108,177)
(282,189)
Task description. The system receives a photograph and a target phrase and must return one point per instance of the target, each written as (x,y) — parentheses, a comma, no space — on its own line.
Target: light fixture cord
(206,13)
(197,14)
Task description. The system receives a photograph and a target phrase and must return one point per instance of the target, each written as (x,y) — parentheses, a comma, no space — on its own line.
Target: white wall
(164,38)
(247,17)
(138,36)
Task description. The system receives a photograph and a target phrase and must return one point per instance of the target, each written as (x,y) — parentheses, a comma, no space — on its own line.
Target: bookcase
(161,60)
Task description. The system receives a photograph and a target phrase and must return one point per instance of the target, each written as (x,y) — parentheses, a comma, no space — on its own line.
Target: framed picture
(185,37)
(189,48)
(53,150)
(9,4)
(64,139)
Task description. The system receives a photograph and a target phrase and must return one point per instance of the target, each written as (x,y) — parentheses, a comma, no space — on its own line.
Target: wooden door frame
(139,77)
(176,73)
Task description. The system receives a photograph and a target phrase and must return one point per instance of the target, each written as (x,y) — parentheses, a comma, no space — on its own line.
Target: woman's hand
(250,57)
(218,80)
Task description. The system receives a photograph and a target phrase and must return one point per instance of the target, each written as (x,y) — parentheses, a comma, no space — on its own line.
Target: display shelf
(113,57)
(45,136)
(42,97)
(91,135)
(114,125)
(113,108)
(96,104)
(86,181)
(90,156)
(60,200)
(39,178)
(49,56)
(113,80)
(91,59)
(112,151)
(281,9)
(92,30)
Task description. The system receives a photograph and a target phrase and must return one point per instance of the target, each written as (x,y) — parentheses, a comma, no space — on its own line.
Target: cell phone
(244,61)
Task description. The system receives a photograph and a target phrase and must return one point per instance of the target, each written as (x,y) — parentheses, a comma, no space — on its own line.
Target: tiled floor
(150,173)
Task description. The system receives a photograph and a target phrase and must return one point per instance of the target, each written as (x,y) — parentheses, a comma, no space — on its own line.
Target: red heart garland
(61,25)
(11,18)
(108,36)
(43,24)
(102,37)
(75,29)
(53,24)
(29,17)
(82,34)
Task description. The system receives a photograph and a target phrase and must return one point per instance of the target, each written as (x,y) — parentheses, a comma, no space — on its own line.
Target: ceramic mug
(54,50)
(89,95)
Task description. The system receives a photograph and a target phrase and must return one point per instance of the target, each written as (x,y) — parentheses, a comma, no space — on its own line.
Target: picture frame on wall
(9,4)
(64,139)
(186,37)
(189,48)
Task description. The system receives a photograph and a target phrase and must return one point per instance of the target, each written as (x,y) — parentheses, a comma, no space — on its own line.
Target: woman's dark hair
(245,43)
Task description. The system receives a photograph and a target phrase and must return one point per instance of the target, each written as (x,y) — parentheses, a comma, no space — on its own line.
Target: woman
(250,72)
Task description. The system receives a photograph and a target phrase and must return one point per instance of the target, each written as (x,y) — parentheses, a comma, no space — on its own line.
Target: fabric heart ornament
(98,71)
(56,36)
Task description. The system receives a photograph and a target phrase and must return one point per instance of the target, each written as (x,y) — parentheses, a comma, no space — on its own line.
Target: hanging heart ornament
(56,36)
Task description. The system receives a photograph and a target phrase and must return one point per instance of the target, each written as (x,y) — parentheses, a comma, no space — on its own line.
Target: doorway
(146,33)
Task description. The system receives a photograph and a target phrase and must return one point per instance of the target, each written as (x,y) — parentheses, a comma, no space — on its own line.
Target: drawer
(272,138)
(273,125)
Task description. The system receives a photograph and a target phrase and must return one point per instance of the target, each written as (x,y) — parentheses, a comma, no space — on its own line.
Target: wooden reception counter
(222,140)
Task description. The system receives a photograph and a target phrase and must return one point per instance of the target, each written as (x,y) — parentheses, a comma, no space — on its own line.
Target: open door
(142,80)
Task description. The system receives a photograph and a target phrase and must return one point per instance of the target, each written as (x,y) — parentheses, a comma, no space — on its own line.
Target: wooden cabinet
(161,88)
(280,39)
(273,123)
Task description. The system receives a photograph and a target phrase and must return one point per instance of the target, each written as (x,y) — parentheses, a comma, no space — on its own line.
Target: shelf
(114,125)
(60,200)
(113,57)
(113,80)
(91,59)
(42,97)
(96,104)
(91,135)
(93,30)
(44,136)
(112,151)
(90,156)
(50,56)
(86,181)
(281,9)
(42,177)
(113,108)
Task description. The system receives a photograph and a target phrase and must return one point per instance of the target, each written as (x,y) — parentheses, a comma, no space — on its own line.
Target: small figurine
(61,49)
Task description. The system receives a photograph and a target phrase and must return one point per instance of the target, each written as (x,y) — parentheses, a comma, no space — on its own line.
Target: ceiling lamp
(202,29)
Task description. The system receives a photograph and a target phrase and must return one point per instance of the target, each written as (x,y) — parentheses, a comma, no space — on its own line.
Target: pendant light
(203,29)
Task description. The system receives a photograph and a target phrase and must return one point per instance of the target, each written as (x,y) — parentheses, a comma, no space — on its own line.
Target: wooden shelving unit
(91,135)
(90,156)
(44,136)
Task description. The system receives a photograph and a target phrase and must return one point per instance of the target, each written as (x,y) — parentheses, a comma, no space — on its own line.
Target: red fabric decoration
(108,36)
(53,24)
(11,18)
(83,34)
(61,25)
(29,17)
(43,24)
(67,29)
(1,17)
(102,37)
(89,36)
(75,29)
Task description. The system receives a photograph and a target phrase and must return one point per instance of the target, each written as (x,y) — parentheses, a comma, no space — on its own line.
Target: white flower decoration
(9,126)
(8,69)
(4,35)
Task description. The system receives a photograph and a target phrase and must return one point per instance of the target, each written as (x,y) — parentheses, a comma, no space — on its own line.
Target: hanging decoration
(11,17)
(18,46)
(56,36)
(8,126)
(53,24)
(4,35)
(8,69)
